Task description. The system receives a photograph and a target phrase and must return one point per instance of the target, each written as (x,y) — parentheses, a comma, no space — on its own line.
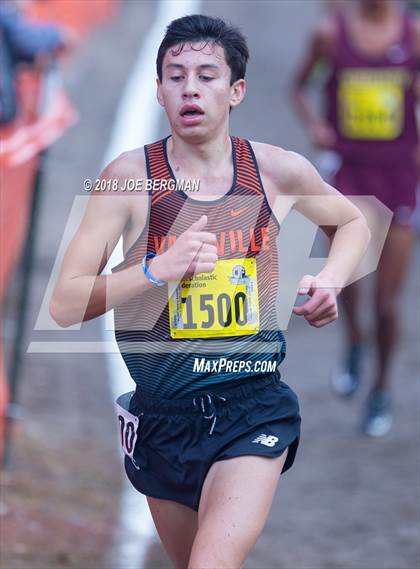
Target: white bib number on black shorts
(128,425)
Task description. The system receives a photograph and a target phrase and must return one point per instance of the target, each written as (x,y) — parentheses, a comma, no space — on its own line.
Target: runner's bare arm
(290,182)
(81,293)
(326,207)
(318,50)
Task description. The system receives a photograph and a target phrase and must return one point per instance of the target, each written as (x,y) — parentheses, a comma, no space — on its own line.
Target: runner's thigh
(177,526)
(235,503)
(395,259)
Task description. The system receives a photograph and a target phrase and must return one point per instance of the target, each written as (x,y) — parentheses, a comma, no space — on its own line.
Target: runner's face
(374,5)
(196,91)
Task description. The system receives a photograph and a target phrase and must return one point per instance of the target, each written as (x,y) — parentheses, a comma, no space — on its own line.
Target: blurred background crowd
(64,67)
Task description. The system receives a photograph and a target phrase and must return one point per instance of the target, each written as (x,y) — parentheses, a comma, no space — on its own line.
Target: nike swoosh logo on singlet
(236,212)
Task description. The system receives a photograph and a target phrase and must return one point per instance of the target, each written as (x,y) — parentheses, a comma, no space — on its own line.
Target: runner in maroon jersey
(205,441)
(373,57)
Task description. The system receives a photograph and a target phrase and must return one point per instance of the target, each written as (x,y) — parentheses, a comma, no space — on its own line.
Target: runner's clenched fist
(193,252)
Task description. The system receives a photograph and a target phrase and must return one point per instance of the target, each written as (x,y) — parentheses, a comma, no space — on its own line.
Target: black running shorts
(171,444)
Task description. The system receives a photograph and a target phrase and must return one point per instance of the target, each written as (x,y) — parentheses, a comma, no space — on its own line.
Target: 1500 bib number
(223,306)
(221,303)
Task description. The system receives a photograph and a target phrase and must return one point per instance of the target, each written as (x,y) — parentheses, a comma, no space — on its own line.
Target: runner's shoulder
(290,172)
(121,180)
(128,165)
(324,35)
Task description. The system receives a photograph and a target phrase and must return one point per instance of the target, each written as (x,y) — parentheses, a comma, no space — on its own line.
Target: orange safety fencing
(22,141)
(81,15)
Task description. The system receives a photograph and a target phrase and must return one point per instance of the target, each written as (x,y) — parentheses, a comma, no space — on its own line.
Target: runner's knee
(386,306)
(223,547)
(208,553)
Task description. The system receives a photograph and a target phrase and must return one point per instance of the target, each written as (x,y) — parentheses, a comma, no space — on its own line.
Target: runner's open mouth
(191,112)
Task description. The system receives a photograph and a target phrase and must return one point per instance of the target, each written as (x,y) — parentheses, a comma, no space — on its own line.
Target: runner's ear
(159,93)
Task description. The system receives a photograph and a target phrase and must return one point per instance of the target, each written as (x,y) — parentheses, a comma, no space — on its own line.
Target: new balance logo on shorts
(267,440)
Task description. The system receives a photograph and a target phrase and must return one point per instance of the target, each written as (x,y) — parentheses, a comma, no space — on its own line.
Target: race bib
(371,104)
(128,425)
(217,304)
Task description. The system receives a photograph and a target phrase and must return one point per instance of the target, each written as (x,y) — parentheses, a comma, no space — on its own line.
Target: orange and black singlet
(213,328)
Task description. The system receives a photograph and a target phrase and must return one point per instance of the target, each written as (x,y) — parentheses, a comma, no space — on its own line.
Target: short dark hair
(197,27)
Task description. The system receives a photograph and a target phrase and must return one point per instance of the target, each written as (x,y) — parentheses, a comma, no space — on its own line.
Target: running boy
(372,48)
(207,432)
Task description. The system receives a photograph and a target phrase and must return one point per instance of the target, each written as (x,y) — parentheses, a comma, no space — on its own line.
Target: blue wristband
(146,271)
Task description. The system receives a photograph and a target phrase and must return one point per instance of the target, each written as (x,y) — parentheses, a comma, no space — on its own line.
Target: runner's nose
(190,90)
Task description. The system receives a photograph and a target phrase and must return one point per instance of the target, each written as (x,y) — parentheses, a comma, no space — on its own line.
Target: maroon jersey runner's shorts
(393,185)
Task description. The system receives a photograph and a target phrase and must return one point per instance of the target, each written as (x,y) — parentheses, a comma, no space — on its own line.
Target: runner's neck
(202,159)
(371,37)
(377,13)
(211,164)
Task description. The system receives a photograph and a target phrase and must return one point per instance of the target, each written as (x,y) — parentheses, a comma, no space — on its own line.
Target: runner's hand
(193,252)
(322,135)
(321,308)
